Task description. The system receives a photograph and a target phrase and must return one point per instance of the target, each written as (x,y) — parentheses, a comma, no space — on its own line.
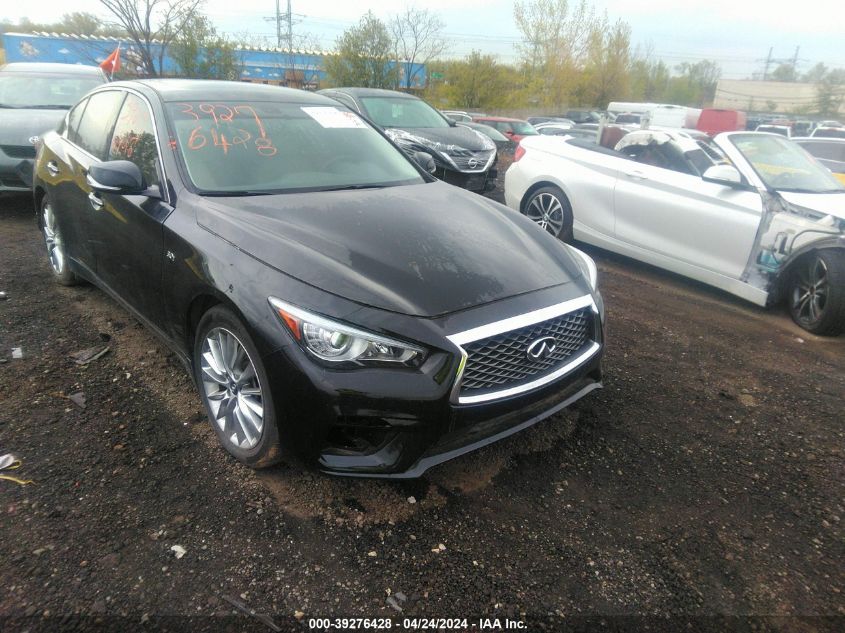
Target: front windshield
(523,128)
(492,132)
(271,147)
(402,112)
(26,90)
(784,165)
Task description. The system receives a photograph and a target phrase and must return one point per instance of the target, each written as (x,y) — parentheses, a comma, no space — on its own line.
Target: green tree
(200,52)
(695,85)
(784,72)
(559,39)
(830,93)
(815,74)
(363,56)
(477,82)
(607,72)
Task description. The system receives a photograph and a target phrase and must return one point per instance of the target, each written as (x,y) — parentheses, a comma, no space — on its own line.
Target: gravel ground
(702,489)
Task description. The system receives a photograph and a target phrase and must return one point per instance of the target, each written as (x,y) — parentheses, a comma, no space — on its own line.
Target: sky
(737,34)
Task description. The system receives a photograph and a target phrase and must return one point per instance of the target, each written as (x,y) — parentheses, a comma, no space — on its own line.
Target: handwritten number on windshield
(219,121)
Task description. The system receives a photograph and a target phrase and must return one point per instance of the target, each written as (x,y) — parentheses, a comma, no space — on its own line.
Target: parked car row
(333,299)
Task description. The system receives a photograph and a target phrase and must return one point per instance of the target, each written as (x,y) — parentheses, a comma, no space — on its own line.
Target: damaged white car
(750,213)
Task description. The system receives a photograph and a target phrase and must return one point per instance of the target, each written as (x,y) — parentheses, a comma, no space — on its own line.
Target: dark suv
(462,156)
(34,98)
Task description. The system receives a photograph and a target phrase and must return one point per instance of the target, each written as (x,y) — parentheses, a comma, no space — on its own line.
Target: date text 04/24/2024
(416,624)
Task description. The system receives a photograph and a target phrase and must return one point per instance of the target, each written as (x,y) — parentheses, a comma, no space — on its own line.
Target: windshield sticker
(331,117)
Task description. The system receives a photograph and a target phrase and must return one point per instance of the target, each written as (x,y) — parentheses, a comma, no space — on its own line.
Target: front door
(128,228)
(680,216)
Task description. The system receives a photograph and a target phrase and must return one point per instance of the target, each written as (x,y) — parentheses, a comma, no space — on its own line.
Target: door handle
(95,200)
(53,168)
(636,175)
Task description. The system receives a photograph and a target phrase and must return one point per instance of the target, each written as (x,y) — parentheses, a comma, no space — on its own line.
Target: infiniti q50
(330,297)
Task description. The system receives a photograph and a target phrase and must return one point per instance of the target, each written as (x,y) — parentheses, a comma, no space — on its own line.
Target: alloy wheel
(547,211)
(55,247)
(810,291)
(232,388)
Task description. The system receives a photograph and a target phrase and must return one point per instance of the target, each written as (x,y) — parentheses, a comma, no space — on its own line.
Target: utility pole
(287,18)
(765,68)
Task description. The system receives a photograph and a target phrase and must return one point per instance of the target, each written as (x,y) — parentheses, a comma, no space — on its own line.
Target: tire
(816,292)
(56,255)
(238,400)
(550,209)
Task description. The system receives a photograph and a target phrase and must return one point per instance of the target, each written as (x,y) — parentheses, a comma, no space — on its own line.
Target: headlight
(587,265)
(337,343)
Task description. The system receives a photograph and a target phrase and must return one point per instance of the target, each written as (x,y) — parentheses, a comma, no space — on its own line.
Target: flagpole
(114,61)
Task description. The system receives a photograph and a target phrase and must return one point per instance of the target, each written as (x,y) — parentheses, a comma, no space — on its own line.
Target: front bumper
(15,173)
(478,182)
(391,423)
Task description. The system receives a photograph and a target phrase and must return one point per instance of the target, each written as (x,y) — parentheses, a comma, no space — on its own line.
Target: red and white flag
(111,64)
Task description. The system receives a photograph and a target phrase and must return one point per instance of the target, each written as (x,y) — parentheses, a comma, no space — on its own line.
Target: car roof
(819,139)
(41,67)
(372,92)
(499,118)
(200,89)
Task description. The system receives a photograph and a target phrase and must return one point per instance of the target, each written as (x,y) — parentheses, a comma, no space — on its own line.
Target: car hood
(827,203)
(422,250)
(18,125)
(440,138)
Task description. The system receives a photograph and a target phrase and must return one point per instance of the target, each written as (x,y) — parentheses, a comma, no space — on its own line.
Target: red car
(514,129)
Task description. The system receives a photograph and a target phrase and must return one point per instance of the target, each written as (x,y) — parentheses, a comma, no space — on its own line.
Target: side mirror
(116,176)
(726,175)
(424,160)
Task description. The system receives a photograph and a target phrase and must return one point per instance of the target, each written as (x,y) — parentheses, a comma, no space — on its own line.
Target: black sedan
(329,296)
(462,157)
(34,98)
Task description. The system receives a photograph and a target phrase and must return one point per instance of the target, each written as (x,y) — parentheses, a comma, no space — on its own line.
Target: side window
(73,118)
(134,138)
(97,122)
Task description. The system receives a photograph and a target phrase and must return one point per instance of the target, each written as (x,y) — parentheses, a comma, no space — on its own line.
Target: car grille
(467,160)
(18,151)
(502,361)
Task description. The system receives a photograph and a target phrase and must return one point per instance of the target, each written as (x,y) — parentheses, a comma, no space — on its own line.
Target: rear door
(678,215)
(129,228)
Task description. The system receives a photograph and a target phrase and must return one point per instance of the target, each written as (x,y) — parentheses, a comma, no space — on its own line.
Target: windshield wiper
(45,107)
(352,187)
(805,190)
(236,194)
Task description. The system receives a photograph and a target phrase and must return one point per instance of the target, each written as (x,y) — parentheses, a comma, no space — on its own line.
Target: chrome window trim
(515,323)
(163,188)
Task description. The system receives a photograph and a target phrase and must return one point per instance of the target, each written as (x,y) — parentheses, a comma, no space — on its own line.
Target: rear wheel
(549,208)
(56,254)
(816,292)
(235,389)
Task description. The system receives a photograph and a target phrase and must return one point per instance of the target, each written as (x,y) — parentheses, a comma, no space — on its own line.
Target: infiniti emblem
(542,348)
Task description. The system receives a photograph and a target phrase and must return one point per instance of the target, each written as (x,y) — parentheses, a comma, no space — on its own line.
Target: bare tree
(152,25)
(418,36)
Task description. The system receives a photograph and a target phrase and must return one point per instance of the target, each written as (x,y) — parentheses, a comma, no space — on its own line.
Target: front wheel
(549,208)
(816,292)
(235,389)
(56,254)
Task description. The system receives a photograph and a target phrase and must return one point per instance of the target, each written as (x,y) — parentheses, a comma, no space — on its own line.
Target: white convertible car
(750,213)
